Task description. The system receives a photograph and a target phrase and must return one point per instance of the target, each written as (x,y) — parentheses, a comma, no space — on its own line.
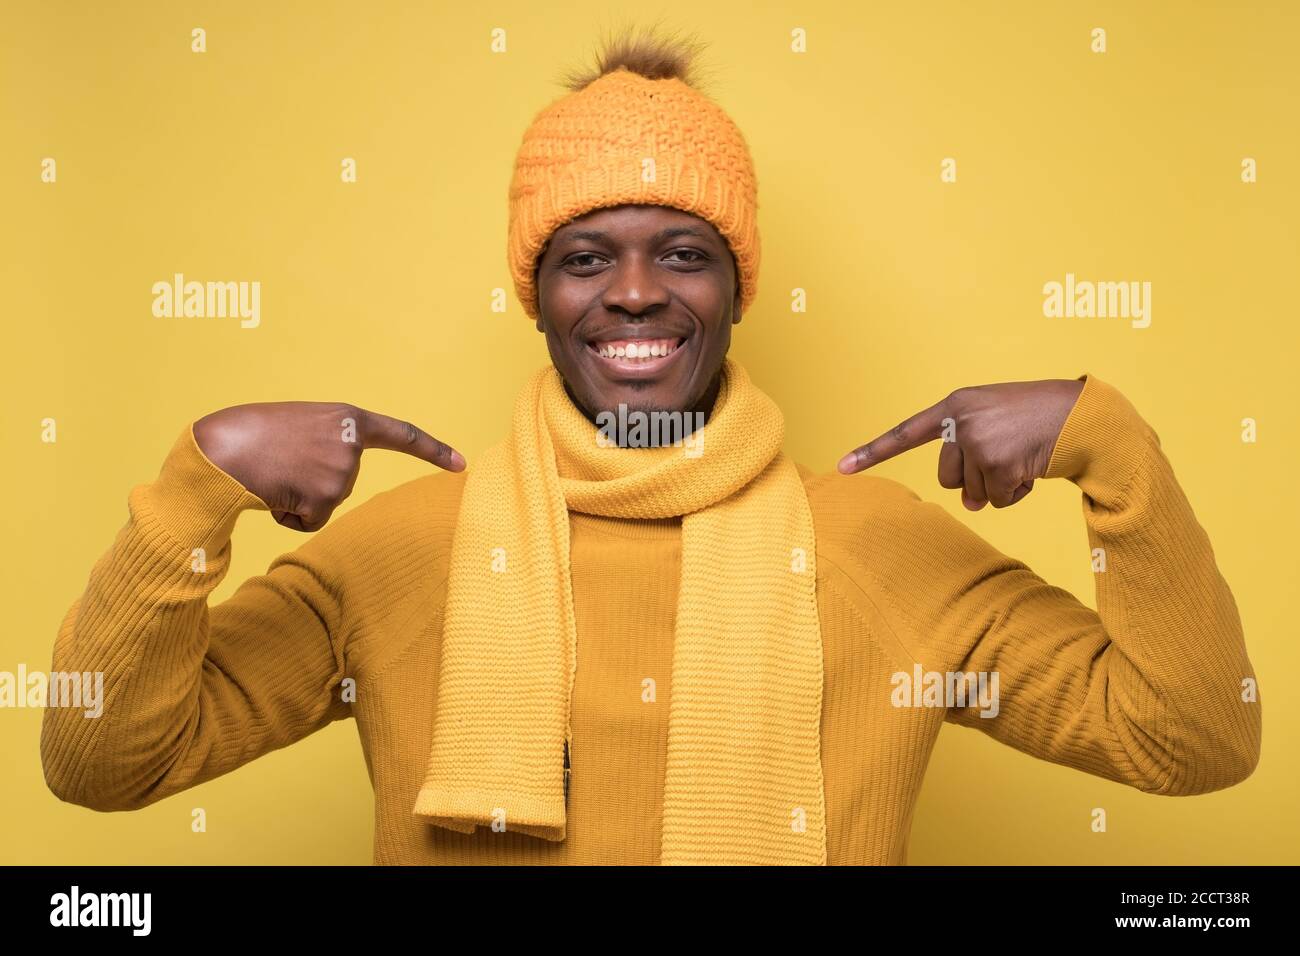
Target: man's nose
(635,286)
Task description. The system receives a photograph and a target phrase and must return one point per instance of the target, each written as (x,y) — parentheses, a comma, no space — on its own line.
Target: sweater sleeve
(191,692)
(1149,689)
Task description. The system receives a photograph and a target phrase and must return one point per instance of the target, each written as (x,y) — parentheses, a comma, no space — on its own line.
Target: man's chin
(646,397)
(646,400)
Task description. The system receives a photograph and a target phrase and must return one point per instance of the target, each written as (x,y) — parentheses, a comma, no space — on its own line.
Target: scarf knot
(703,466)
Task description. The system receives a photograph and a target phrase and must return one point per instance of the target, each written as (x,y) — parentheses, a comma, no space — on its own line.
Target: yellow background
(225,165)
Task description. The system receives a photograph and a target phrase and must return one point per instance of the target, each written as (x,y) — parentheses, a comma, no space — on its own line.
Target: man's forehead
(641,215)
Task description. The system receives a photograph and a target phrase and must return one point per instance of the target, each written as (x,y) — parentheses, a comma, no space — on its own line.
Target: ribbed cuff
(1102,443)
(193,499)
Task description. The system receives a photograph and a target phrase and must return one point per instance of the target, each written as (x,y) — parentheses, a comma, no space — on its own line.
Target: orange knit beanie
(628,138)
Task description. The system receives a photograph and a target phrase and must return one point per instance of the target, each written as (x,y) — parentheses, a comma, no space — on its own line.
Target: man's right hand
(302,458)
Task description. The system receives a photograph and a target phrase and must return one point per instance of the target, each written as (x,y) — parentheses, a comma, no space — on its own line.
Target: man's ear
(735,306)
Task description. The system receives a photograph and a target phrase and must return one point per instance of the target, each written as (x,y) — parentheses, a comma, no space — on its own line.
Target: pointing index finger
(923,427)
(393,434)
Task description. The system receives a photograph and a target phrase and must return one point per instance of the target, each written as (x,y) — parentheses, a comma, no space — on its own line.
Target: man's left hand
(997,439)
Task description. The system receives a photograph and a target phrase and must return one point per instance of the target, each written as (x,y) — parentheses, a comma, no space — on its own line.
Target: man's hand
(302,458)
(996,438)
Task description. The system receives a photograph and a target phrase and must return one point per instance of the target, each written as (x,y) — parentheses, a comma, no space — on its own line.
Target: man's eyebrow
(593,235)
(675,231)
(583,235)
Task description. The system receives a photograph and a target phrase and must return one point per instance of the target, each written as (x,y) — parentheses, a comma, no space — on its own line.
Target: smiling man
(639,302)
(577,651)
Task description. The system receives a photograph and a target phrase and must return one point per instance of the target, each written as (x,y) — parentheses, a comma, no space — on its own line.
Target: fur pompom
(651,53)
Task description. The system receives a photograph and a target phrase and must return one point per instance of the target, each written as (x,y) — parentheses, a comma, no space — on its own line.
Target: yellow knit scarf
(743,777)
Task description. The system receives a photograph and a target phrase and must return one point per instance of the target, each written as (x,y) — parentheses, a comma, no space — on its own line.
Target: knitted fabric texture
(625,138)
(1144,691)
(743,781)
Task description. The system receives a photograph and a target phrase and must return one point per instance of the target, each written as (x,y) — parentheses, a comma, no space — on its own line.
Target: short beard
(677,430)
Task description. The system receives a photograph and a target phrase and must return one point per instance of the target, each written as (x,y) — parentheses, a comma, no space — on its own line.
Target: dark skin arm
(997,439)
(302,458)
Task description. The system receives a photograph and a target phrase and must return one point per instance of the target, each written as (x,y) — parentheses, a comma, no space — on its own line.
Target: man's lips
(641,358)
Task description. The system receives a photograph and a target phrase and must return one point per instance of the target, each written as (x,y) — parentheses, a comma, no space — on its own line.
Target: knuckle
(977,452)
(334,487)
(958,402)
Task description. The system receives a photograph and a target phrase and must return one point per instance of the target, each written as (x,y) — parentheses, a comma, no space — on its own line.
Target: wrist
(1103,441)
(196,501)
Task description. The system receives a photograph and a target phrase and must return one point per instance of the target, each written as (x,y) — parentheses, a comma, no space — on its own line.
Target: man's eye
(693,255)
(577,260)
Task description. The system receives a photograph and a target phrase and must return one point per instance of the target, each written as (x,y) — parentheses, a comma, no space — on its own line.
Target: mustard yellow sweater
(1147,692)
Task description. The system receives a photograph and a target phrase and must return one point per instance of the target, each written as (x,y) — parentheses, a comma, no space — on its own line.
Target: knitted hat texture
(625,138)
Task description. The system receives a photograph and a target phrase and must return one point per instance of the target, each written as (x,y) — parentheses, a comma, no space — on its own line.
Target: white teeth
(639,350)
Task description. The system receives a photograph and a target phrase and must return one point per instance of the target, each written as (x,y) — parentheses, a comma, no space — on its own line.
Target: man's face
(631,279)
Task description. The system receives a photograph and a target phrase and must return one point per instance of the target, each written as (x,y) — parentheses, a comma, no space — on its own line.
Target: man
(613,642)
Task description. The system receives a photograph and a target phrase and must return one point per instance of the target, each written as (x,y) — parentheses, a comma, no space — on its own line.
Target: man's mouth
(636,355)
